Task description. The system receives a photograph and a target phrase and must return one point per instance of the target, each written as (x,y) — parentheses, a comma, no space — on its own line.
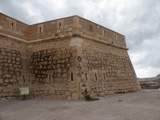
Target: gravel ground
(143,105)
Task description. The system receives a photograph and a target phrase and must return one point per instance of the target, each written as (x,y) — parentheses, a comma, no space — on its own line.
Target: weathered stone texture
(12,66)
(62,58)
(52,67)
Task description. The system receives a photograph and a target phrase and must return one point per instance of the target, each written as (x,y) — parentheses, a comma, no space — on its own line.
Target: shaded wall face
(51,69)
(105,70)
(47,68)
(13,62)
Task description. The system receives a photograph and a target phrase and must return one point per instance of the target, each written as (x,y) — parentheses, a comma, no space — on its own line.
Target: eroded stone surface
(62,58)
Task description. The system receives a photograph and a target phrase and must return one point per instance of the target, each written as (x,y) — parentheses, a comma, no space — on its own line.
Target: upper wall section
(99,33)
(60,28)
(52,29)
(13,27)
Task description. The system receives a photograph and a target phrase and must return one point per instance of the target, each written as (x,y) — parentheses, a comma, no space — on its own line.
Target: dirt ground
(144,105)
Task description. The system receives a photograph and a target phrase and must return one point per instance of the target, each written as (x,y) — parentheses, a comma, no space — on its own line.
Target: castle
(62,58)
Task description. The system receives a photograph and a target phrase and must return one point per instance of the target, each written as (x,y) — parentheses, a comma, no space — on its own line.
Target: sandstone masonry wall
(105,70)
(13,61)
(52,65)
(62,58)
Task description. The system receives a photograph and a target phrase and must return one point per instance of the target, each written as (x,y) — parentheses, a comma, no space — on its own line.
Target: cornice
(60,37)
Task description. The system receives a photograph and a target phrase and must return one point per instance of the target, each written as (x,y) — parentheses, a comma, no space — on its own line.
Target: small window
(103,32)
(79,58)
(71,76)
(60,24)
(40,29)
(12,25)
(96,76)
(91,28)
(86,76)
(104,76)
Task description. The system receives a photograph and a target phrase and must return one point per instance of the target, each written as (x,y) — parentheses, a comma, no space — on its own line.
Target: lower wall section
(11,69)
(64,73)
(52,72)
(103,73)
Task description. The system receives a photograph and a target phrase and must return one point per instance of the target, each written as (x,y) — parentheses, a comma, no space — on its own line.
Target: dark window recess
(24,80)
(50,78)
(56,34)
(79,58)
(71,76)
(96,76)
(86,76)
(90,28)
(53,77)
(12,24)
(40,29)
(60,24)
(104,76)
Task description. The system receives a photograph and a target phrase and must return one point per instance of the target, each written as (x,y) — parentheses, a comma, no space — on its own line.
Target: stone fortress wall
(61,58)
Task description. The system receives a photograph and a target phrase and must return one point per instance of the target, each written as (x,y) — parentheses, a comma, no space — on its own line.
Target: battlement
(60,28)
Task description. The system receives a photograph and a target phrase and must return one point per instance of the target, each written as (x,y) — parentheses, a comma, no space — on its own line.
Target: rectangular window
(96,76)
(40,28)
(71,76)
(60,24)
(86,76)
(104,76)
(12,25)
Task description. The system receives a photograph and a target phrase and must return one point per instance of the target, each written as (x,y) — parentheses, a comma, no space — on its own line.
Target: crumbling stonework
(62,58)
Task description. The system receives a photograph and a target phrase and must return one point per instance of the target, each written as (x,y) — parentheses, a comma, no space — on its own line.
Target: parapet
(72,26)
